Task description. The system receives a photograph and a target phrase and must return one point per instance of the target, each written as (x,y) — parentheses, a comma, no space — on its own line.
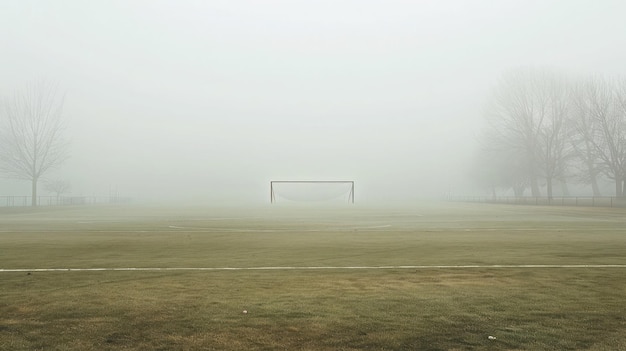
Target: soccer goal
(312,191)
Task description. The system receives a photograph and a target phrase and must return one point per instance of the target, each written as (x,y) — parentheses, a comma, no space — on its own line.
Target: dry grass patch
(380,310)
(337,309)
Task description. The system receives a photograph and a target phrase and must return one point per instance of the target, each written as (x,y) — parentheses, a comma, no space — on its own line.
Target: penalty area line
(288,268)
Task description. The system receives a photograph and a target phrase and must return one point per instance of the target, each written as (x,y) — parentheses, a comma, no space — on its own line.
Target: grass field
(430,277)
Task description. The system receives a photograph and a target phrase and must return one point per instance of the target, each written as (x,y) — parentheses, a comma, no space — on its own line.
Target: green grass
(331,309)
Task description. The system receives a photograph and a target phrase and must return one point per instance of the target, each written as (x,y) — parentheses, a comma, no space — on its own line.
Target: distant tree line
(545,128)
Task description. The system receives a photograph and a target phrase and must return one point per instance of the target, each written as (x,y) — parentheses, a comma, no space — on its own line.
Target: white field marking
(332,229)
(103,221)
(222,218)
(287,268)
(374,226)
(206,229)
(339,229)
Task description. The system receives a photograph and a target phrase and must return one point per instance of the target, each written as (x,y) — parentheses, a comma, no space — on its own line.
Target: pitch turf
(572,300)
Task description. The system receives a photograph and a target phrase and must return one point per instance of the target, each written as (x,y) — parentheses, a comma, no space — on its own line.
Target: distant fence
(588,201)
(20,201)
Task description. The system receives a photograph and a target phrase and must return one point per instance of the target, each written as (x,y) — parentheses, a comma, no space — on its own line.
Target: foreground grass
(339,309)
(310,310)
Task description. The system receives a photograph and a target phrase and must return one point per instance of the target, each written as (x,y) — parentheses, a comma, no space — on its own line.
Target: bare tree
(554,133)
(58,187)
(584,102)
(607,110)
(514,123)
(529,114)
(31,129)
(620,107)
(499,167)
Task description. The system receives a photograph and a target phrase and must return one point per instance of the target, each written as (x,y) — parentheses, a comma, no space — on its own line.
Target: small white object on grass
(245,311)
(491,337)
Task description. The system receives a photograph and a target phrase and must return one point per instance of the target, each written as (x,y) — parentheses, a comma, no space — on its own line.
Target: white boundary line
(288,268)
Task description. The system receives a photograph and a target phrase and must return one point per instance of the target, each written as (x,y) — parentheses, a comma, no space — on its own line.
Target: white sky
(211,100)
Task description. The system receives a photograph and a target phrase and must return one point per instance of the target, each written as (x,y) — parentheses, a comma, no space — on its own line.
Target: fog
(207,101)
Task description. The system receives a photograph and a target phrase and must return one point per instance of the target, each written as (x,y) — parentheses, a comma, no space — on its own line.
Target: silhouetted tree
(555,130)
(605,102)
(528,114)
(584,102)
(31,129)
(498,166)
(57,187)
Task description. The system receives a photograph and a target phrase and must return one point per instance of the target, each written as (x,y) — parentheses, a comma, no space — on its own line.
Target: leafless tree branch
(31,129)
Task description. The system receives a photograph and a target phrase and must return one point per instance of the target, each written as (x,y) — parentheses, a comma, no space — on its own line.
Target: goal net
(339,191)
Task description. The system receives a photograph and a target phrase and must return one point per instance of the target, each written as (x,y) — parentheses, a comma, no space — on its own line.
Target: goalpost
(312,190)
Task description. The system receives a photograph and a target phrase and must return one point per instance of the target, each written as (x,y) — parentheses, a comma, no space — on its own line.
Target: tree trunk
(34,192)
(594,186)
(549,187)
(619,192)
(564,188)
(593,179)
(534,187)
(593,174)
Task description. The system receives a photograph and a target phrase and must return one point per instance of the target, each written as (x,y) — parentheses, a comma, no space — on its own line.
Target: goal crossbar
(347,182)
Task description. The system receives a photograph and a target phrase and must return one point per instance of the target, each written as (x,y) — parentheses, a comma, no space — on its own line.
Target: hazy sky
(209,100)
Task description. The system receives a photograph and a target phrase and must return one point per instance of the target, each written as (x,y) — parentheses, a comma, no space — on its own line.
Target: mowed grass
(313,309)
